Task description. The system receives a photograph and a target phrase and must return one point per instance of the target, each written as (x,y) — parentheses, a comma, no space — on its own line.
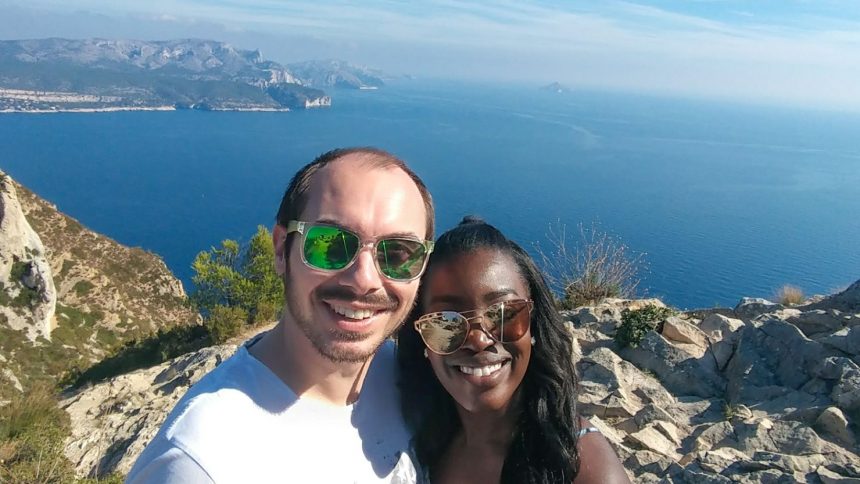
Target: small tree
(593,268)
(237,276)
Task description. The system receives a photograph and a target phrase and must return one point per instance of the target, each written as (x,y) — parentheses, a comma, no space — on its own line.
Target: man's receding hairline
(379,161)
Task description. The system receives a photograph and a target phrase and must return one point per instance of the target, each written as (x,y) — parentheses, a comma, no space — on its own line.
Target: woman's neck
(490,428)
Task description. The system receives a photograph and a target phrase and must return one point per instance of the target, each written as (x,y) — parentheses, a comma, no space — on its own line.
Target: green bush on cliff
(238,277)
(635,323)
(224,322)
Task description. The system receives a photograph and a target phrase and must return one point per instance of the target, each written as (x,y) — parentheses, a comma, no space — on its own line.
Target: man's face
(347,315)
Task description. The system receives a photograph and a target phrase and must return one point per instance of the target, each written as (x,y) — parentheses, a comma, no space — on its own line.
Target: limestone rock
(27,289)
(846,301)
(113,421)
(776,437)
(818,321)
(677,370)
(751,307)
(846,340)
(771,360)
(829,477)
(653,440)
(676,329)
(833,422)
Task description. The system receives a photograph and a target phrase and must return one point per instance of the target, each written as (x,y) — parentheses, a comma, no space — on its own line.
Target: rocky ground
(758,393)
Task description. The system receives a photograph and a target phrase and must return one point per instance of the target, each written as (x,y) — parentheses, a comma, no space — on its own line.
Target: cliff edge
(70,296)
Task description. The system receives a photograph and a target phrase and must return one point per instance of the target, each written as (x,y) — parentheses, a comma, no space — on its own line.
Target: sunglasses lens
(401,259)
(329,248)
(443,332)
(507,321)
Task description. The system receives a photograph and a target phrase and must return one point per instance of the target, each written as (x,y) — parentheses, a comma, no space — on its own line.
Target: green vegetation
(82,288)
(635,323)
(594,267)
(236,288)
(224,322)
(136,354)
(26,296)
(789,295)
(236,277)
(32,430)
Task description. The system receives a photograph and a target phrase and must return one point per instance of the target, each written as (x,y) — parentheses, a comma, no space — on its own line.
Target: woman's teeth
(481,370)
(352,314)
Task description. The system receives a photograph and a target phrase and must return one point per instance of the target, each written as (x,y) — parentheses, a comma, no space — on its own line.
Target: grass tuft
(789,295)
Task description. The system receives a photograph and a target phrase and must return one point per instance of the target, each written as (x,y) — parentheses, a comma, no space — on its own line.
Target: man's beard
(326,341)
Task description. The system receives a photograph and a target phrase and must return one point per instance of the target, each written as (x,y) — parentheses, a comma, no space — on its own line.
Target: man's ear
(279,240)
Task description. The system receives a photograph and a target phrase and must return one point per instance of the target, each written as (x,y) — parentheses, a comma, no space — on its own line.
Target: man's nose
(363,276)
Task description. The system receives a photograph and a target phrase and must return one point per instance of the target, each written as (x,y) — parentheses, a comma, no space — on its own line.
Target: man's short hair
(296,197)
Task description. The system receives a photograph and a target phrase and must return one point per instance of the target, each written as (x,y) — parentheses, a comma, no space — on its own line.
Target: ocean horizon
(723,200)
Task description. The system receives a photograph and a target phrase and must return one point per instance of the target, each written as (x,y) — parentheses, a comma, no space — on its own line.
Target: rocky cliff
(759,393)
(27,294)
(69,296)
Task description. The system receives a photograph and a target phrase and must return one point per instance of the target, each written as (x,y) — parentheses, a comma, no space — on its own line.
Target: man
(351,241)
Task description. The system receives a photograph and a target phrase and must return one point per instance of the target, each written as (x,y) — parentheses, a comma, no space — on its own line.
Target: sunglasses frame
(304,227)
(471,323)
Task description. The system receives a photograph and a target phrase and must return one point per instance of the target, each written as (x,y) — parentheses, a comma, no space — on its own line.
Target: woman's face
(472,374)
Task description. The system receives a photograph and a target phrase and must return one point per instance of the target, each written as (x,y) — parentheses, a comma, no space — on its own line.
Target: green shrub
(266,312)
(225,322)
(82,288)
(635,323)
(594,267)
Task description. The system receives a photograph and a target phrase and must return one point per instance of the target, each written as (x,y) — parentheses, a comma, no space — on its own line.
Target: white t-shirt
(242,424)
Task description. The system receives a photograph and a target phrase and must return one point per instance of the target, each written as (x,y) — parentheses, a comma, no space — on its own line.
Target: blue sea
(723,200)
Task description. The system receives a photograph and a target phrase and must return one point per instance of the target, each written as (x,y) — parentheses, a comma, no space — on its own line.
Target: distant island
(63,75)
(555,87)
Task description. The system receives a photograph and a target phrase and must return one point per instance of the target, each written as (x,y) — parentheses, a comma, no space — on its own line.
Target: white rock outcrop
(28,297)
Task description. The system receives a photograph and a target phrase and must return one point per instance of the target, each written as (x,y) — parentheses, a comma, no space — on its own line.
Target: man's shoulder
(241,381)
(225,408)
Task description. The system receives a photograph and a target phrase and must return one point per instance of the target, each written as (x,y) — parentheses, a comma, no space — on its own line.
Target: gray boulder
(752,307)
(771,360)
(846,301)
(678,371)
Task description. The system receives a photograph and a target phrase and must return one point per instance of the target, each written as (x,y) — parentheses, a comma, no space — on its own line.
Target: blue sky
(772,51)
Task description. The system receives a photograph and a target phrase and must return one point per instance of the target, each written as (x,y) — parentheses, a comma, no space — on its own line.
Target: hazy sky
(774,51)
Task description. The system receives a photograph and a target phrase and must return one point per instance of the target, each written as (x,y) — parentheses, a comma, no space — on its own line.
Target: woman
(488,383)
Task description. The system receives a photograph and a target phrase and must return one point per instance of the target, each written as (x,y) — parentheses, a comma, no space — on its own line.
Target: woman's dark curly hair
(543,449)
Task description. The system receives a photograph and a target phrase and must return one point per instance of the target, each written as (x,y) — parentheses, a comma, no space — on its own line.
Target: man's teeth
(352,314)
(481,370)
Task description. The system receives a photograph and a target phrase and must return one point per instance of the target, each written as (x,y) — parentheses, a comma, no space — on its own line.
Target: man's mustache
(340,293)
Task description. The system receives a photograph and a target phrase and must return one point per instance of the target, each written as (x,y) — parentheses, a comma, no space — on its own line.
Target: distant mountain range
(101,74)
(337,73)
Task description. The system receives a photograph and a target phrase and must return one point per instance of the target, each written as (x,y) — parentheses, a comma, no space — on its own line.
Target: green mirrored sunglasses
(331,248)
